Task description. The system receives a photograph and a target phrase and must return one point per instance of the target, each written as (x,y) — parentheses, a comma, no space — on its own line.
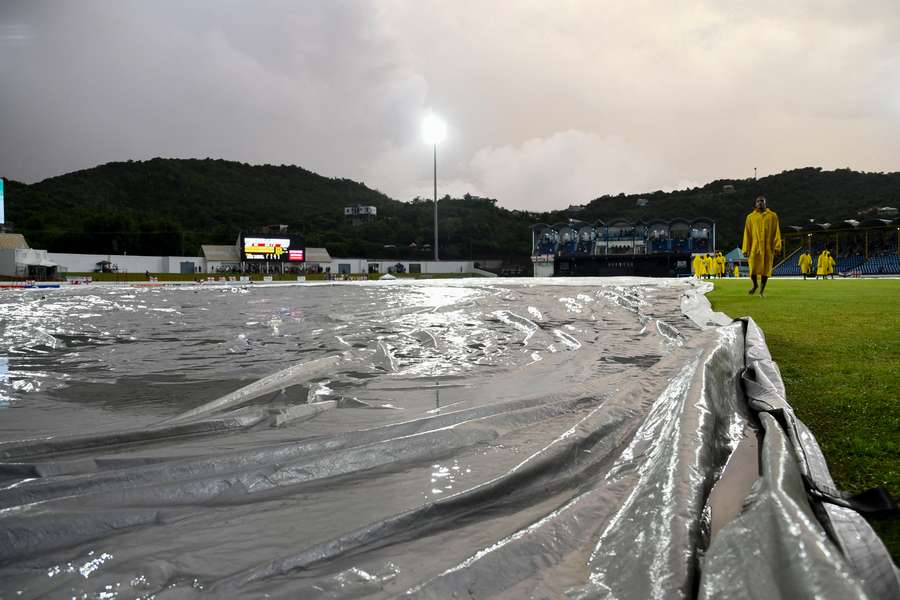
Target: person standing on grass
(698,266)
(720,265)
(762,240)
(805,263)
(825,267)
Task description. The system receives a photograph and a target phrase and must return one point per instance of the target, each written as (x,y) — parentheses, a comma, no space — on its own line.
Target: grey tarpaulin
(793,539)
(568,451)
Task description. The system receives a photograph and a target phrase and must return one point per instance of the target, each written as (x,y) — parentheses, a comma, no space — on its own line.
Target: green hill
(797,196)
(171,206)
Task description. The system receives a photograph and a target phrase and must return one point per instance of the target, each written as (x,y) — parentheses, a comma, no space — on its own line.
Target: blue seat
(881,265)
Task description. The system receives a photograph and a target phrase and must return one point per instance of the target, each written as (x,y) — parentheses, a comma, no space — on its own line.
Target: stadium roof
(317,255)
(845,225)
(13,241)
(876,223)
(223,253)
(816,226)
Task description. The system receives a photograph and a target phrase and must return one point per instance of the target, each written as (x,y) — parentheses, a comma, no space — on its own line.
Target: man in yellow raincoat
(720,265)
(698,266)
(805,263)
(762,240)
(829,265)
(820,264)
(708,266)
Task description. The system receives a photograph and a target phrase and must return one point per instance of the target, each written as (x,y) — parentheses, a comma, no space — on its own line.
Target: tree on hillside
(172,206)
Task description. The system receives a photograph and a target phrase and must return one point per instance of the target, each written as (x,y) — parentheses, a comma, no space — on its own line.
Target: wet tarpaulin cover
(434,440)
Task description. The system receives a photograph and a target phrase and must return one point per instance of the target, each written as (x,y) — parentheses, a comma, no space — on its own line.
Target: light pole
(434,130)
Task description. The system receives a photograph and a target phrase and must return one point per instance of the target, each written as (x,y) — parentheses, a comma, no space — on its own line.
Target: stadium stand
(867,247)
(545,239)
(849,263)
(888,264)
(788,267)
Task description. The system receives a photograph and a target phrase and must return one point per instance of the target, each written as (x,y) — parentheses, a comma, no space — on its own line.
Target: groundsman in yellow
(805,263)
(820,264)
(829,265)
(698,266)
(708,266)
(720,265)
(762,240)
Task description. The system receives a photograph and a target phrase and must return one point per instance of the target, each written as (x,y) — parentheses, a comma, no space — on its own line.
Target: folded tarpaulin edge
(838,511)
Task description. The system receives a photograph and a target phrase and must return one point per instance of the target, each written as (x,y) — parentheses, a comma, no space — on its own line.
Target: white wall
(7,262)
(543,269)
(361,265)
(86,263)
(75,263)
(174,263)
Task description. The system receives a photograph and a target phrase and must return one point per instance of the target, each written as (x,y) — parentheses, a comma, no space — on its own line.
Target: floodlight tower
(434,131)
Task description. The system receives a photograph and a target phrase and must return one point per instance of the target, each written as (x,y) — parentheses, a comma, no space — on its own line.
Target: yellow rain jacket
(820,264)
(708,266)
(698,266)
(737,271)
(762,240)
(829,264)
(720,264)
(805,263)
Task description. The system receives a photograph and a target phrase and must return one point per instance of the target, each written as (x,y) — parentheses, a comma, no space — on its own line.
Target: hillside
(797,196)
(171,206)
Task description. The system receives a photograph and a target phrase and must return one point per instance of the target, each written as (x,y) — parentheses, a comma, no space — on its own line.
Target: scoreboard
(277,249)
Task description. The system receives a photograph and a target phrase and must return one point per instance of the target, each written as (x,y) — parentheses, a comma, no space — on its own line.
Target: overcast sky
(548,103)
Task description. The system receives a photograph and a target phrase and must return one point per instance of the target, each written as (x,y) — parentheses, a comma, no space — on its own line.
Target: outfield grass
(837,343)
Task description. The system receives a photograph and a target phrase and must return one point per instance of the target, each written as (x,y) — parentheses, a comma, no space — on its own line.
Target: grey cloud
(547,103)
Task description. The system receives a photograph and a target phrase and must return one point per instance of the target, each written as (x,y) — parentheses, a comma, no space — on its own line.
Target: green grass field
(837,343)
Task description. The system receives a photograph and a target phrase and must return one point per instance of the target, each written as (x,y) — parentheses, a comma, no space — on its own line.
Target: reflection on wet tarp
(441,439)
(4,380)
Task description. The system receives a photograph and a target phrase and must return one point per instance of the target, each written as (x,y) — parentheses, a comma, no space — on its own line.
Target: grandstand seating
(786,269)
(577,238)
(849,263)
(888,264)
(788,266)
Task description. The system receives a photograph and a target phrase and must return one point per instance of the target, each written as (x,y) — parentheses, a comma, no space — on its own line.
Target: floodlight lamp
(434,130)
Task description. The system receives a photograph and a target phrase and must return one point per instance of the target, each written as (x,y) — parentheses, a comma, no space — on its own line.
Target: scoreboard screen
(272,249)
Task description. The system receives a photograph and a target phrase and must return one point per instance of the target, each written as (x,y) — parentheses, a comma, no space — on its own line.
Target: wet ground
(476,438)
